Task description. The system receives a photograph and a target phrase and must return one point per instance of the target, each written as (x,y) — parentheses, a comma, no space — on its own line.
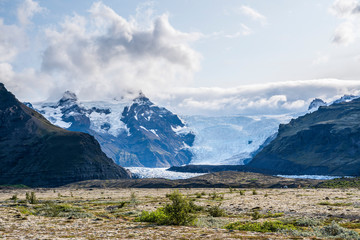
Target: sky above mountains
(195,57)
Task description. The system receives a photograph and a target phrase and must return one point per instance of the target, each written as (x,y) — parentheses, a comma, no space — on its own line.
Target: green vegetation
(51,209)
(307,222)
(198,195)
(159,217)
(14,198)
(179,212)
(216,211)
(254,192)
(133,200)
(242,192)
(336,204)
(303,228)
(31,198)
(335,230)
(351,225)
(211,222)
(216,196)
(341,183)
(257,215)
(268,226)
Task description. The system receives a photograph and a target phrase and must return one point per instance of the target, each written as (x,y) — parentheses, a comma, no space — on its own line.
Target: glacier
(229,140)
(144,172)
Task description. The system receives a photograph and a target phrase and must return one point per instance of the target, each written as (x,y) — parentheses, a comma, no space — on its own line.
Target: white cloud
(347,31)
(27,10)
(12,39)
(344,8)
(106,55)
(252,13)
(271,98)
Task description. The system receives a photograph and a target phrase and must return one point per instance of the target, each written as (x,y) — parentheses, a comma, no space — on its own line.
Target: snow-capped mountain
(315,104)
(159,136)
(132,133)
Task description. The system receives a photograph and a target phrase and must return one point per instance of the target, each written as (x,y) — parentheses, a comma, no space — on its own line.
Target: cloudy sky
(203,56)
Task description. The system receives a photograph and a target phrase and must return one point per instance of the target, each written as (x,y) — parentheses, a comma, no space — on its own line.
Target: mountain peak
(315,104)
(6,97)
(68,97)
(142,99)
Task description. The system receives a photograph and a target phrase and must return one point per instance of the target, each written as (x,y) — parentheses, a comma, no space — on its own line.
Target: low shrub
(216,211)
(268,226)
(215,196)
(50,209)
(331,231)
(14,198)
(307,222)
(211,222)
(31,198)
(158,217)
(179,212)
(257,215)
(335,230)
(336,204)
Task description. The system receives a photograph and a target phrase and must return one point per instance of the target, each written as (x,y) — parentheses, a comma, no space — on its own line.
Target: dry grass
(110,213)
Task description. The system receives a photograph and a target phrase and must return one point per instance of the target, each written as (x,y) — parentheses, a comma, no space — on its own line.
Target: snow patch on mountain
(52,113)
(346,98)
(112,119)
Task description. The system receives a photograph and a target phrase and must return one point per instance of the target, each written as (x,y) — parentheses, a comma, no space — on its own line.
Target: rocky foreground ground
(108,213)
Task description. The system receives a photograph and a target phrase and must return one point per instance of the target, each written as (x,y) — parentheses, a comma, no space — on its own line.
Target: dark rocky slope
(325,142)
(36,153)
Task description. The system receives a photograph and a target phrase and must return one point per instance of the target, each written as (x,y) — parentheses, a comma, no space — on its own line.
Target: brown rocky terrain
(110,213)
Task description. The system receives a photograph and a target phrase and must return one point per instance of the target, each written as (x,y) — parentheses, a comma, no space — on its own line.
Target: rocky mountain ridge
(38,154)
(324,142)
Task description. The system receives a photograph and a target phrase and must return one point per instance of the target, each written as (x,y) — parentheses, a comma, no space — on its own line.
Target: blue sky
(115,47)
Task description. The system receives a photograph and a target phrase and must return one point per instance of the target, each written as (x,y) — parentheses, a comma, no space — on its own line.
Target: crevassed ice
(229,139)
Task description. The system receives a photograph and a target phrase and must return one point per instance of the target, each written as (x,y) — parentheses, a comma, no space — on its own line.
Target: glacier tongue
(229,140)
(143,172)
